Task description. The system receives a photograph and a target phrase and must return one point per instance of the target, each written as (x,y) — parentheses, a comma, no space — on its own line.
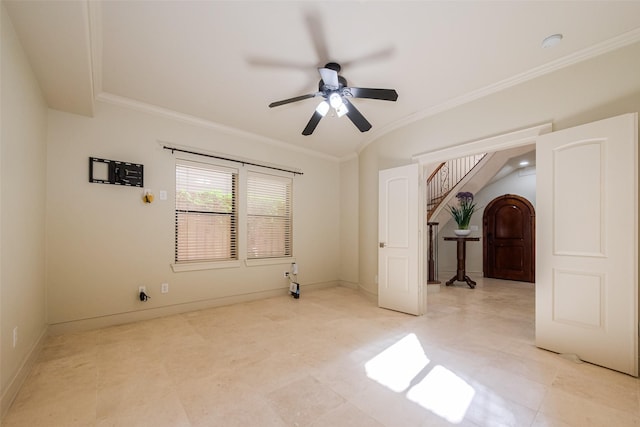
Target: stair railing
(445,178)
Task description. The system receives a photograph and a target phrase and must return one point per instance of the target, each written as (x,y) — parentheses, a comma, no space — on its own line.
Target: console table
(461,275)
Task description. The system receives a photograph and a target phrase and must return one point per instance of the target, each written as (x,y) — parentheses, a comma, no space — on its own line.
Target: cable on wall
(243,162)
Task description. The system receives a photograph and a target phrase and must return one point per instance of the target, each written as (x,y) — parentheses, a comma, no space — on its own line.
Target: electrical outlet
(15,336)
(164,288)
(286,274)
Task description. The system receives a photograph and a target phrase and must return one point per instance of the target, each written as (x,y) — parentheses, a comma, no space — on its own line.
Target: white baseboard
(350,285)
(317,286)
(156,312)
(368,294)
(153,313)
(10,393)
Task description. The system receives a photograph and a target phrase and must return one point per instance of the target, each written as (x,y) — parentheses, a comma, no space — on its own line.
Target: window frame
(241,225)
(232,236)
(286,218)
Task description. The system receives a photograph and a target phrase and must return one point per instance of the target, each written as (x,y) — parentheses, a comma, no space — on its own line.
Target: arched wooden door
(509,239)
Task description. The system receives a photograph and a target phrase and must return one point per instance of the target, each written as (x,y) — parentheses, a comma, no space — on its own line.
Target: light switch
(163,195)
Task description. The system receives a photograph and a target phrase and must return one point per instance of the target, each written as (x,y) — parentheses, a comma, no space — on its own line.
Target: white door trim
(494,143)
(518,138)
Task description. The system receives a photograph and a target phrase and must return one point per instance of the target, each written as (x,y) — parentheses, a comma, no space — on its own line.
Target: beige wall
(598,88)
(349,222)
(22,212)
(103,242)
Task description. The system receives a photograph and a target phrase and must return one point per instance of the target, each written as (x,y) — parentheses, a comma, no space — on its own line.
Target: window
(206,213)
(269,216)
(224,214)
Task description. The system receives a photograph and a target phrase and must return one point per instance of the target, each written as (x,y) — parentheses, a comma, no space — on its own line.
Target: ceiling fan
(333,88)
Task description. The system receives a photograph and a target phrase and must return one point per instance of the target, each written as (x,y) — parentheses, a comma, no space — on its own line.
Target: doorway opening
(508,170)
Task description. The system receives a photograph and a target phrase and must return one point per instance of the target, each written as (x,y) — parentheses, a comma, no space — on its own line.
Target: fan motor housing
(341,80)
(333,66)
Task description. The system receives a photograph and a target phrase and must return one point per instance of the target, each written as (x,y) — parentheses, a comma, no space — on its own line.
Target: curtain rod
(173,149)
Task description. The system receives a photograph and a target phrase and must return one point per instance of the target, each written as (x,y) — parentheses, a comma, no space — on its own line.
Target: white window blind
(269,216)
(206,213)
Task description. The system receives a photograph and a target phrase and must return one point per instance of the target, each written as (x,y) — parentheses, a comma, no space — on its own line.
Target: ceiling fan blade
(370,57)
(383,94)
(295,99)
(313,122)
(263,61)
(355,116)
(329,77)
(318,36)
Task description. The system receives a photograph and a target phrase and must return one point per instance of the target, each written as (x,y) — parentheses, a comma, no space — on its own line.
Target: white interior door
(398,228)
(587,241)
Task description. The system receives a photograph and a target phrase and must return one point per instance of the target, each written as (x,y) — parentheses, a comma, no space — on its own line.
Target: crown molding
(348,157)
(598,49)
(197,121)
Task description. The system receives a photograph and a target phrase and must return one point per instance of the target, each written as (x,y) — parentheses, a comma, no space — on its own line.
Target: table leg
(465,278)
(470,282)
(461,273)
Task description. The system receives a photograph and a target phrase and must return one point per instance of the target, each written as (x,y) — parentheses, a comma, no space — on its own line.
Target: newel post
(433,253)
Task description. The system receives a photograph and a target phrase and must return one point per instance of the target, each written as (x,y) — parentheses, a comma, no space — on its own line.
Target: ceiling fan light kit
(323,108)
(341,110)
(335,100)
(335,91)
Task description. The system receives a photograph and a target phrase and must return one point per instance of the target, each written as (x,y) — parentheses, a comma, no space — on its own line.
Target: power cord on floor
(294,286)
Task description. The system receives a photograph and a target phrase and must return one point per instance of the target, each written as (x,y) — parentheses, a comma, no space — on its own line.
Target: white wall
(598,88)
(103,242)
(517,182)
(22,212)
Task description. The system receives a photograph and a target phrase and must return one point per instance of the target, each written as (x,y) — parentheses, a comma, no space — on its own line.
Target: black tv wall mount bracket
(103,171)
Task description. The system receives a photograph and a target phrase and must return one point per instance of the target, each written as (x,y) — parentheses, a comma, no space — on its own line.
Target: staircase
(446,177)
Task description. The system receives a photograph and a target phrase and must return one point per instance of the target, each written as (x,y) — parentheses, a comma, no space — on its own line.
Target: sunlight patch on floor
(443,393)
(399,364)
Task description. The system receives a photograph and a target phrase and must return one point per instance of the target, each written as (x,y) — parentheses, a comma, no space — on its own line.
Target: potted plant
(462,213)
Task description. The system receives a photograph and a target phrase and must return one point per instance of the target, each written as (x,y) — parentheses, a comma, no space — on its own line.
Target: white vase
(462,233)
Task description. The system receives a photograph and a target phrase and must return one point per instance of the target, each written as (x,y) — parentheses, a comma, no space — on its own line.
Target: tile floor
(331,358)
